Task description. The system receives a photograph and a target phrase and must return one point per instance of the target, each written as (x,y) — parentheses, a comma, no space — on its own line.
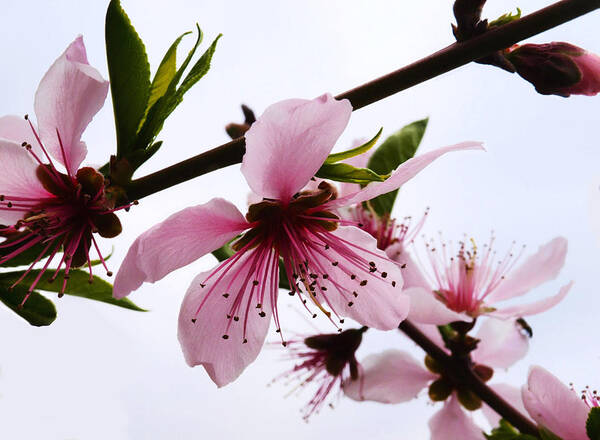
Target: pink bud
(557,68)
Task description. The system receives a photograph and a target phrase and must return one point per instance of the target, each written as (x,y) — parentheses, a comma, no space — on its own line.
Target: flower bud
(557,68)
(235,130)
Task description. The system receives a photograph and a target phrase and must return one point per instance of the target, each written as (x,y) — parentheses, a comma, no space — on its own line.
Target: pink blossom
(557,68)
(472,283)
(325,361)
(556,407)
(332,266)
(394,376)
(44,206)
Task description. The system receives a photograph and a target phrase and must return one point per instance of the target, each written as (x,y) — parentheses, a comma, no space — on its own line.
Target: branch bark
(445,60)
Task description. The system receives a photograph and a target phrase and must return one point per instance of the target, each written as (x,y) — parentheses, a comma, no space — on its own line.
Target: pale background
(104,373)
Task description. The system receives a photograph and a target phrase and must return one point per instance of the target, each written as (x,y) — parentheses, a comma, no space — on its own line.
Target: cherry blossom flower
(472,283)
(394,376)
(43,206)
(555,406)
(325,361)
(331,264)
(557,68)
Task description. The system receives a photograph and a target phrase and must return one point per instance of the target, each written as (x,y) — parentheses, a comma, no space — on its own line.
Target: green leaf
(164,75)
(506,432)
(198,70)
(505,19)
(78,285)
(129,74)
(37,310)
(336,157)
(592,425)
(173,96)
(394,151)
(343,172)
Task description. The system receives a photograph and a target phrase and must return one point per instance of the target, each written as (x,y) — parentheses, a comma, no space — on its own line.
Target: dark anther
(325,276)
(262,314)
(350,304)
(335,263)
(245,341)
(228,316)
(314,315)
(323,288)
(236,318)
(225,295)
(258,306)
(341,321)
(193,320)
(360,225)
(372,263)
(403,266)
(284,344)
(383,274)
(314,276)
(23,144)
(355,294)
(225,336)
(291,293)
(393,284)
(202,285)
(255,282)
(363,283)
(326,247)
(278,330)
(109,274)
(352,277)
(372,269)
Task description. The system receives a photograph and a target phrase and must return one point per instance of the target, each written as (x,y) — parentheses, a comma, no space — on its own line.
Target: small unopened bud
(557,68)
(235,130)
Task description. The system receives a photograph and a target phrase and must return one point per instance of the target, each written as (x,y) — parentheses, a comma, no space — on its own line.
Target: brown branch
(461,373)
(443,61)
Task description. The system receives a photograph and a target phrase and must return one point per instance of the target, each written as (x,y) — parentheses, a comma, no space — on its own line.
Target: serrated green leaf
(129,73)
(592,425)
(164,75)
(197,71)
(394,151)
(78,285)
(505,19)
(336,157)
(38,310)
(343,172)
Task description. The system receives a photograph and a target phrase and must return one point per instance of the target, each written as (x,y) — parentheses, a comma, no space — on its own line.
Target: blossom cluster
(327,243)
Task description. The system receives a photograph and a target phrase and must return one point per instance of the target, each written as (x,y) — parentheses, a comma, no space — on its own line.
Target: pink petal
(182,238)
(17,178)
(68,97)
(392,376)
(533,308)
(509,393)
(400,176)
(426,309)
(589,65)
(379,304)
(287,145)
(202,341)
(543,266)
(16,129)
(413,277)
(502,343)
(554,406)
(452,423)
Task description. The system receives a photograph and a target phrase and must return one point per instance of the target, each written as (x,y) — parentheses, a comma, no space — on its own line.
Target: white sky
(100,373)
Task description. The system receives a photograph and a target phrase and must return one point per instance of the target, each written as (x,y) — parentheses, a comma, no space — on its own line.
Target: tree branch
(465,375)
(445,60)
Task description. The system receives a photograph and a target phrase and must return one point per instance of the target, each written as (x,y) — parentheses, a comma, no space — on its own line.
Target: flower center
(64,220)
(465,278)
